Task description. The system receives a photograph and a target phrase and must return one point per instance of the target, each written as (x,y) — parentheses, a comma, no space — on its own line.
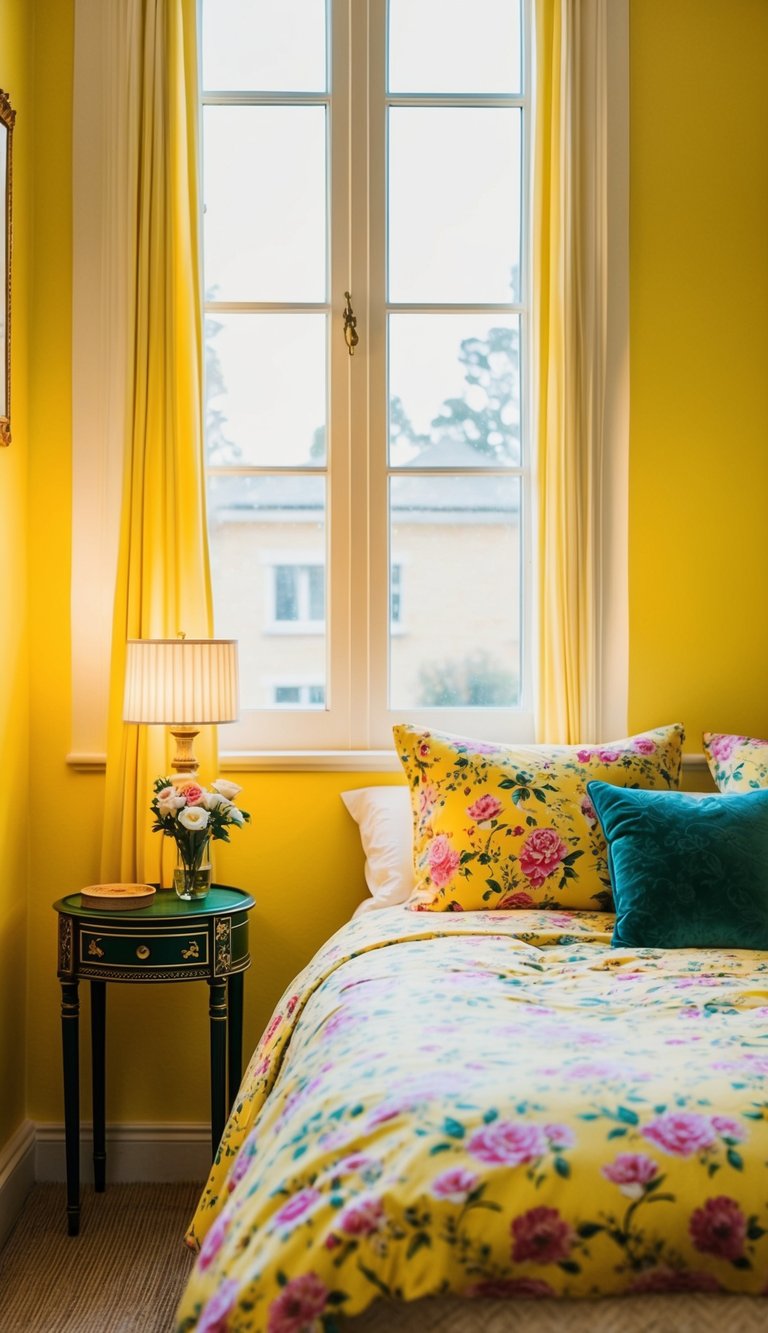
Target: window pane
(265,215)
(454,204)
(451,46)
(458,541)
(266,533)
(454,390)
(316,592)
(265,389)
(287,694)
(264,45)
(286,592)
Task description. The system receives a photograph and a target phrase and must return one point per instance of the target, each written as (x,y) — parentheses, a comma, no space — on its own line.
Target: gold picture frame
(7,121)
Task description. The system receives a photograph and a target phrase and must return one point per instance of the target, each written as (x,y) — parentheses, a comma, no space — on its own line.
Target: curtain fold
(163,577)
(570,295)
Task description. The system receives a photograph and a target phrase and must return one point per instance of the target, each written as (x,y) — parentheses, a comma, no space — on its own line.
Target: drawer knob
(142,952)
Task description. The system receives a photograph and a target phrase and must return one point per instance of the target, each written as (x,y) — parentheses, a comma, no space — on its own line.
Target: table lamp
(182,684)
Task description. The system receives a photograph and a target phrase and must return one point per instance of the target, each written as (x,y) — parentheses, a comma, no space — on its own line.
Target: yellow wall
(699,464)
(699,365)
(14,653)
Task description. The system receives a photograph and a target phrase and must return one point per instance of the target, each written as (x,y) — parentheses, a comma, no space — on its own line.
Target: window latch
(351,336)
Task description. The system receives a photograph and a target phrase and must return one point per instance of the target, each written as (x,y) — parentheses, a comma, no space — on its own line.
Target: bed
(497,1106)
(529,1088)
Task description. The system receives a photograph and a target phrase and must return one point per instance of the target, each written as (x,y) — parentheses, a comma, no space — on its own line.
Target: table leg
(70,1031)
(98,1034)
(234,1036)
(218,1015)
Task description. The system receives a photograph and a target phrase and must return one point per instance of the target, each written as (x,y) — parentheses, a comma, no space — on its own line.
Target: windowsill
(312,761)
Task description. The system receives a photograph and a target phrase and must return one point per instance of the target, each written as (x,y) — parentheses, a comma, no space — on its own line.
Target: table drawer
(144,950)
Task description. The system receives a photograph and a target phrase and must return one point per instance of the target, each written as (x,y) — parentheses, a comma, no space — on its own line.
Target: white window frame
(357,609)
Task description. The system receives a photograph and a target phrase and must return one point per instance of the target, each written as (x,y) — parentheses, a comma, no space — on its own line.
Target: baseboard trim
(157,1153)
(17,1175)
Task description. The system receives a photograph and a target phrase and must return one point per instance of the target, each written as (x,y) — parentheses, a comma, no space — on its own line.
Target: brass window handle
(351,336)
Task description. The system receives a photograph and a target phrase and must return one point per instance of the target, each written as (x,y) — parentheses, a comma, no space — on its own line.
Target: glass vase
(192,872)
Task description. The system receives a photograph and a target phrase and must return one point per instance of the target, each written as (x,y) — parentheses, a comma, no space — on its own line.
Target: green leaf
(627,1116)
(418,1242)
(754,1231)
(300,1151)
(494,885)
(491,1114)
(589,1229)
(569,1266)
(617,1133)
(439,1147)
(735,1159)
(453,1128)
(562,1167)
(742,1262)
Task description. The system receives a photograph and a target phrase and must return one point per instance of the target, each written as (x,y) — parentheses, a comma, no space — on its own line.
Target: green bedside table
(171,940)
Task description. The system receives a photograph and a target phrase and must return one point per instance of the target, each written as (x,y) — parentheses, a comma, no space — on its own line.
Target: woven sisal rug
(124,1273)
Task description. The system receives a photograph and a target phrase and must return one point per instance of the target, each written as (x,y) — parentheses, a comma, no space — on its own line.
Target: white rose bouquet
(192,815)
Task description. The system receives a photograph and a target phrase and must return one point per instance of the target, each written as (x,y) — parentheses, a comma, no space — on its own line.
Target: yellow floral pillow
(737,763)
(499,827)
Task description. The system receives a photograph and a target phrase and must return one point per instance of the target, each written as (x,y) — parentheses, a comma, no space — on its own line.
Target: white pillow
(383,815)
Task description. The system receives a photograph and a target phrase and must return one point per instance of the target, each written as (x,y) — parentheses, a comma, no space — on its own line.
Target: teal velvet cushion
(687,872)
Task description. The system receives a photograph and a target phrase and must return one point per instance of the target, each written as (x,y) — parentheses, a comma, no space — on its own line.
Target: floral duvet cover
(491,1104)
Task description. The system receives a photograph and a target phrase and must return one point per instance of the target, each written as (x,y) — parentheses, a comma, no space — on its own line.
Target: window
(299,598)
(380,149)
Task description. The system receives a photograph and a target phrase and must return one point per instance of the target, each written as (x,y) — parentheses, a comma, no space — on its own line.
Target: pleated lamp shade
(181,682)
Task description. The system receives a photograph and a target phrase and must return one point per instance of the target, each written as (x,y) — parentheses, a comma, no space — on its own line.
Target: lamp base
(184,761)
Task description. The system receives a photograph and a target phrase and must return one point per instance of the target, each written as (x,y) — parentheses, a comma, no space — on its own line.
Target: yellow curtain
(163,578)
(569,304)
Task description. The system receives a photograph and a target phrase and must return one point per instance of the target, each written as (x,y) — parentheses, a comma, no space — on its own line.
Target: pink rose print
(274,1024)
(427,798)
(584,755)
(588,811)
(631,1171)
(559,1136)
(243,1162)
(357,1161)
(296,1207)
(508,1143)
(454,1185)
(291,1005)
(423,750)
(484,808)
(608,756)
(212,1243)
(681,1133)
(362,1217)
(443,861)
(508,1288)
(541,854)
(728,1128)
(644,745)
(672,1279)
(214,1315)
(719,1228)
(542,1235)
(516,900)
(301,1300)
(722,747)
